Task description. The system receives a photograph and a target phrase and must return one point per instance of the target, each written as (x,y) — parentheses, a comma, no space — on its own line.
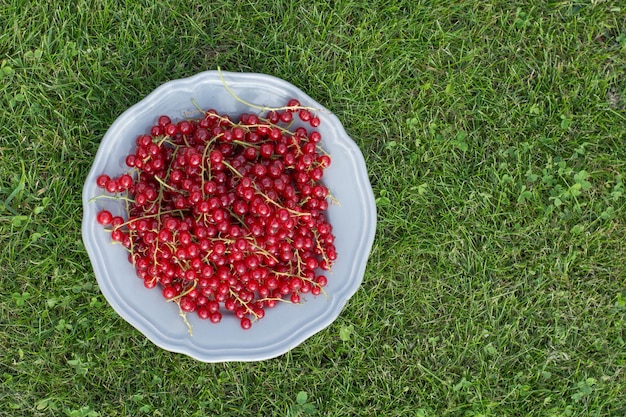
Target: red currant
(246,323)
(215,317)
(102,180)
(227,216)
(104,217)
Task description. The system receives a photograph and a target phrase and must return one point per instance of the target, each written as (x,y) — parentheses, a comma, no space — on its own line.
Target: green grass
(495,139)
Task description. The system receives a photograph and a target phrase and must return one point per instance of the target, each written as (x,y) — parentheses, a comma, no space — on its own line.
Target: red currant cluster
(226,215)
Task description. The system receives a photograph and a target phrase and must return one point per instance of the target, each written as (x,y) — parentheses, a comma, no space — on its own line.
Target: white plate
(283,327)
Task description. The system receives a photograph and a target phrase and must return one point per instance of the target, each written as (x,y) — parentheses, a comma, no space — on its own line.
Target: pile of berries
(227,216)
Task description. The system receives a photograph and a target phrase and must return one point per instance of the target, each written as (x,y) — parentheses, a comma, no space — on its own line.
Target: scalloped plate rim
(251,353)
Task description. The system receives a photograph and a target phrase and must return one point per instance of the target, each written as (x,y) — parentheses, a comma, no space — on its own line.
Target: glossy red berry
(286,117)
(104,217)
(112,186)
(164,121)
(102,180)
(169,292)
(125,181)
(246,323)
(215,317)
(305,115)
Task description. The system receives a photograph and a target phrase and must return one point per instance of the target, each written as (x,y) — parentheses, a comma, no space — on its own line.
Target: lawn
(495,139)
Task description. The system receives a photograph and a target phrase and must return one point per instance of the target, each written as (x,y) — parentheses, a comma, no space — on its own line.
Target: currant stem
(184,316)
(164,184)
(181,295)
(255,106)
(275,299)
(245,305)
(111,197)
